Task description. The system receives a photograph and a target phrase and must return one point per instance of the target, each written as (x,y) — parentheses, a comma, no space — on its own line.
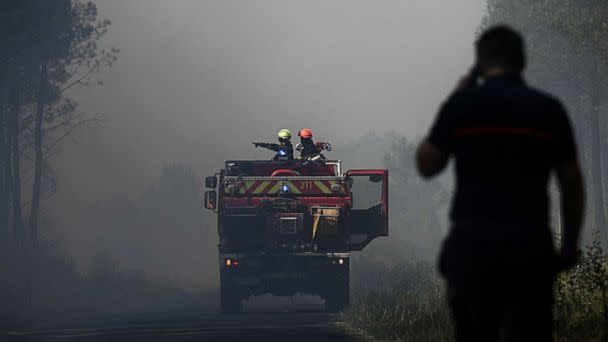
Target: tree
(585,24)
(47,47)
(67,45)
(568,52)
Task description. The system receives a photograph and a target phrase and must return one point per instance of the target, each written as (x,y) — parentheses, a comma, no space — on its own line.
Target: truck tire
(231,299)
(337,297)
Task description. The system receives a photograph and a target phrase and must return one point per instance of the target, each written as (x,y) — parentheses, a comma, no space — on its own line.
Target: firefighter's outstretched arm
(270,146)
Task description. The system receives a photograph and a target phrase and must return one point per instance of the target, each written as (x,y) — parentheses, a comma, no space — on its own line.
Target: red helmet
(305,133)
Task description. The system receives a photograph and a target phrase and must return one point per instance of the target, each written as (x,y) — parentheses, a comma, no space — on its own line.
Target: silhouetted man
(506,138)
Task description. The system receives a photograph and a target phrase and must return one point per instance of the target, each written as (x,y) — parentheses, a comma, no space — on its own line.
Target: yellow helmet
(284,134)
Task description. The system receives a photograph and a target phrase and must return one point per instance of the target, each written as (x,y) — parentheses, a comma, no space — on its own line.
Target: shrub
(581,297)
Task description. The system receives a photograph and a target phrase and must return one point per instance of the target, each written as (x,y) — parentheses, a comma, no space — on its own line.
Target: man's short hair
(501,46)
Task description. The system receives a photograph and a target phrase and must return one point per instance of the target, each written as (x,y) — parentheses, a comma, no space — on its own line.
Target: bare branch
(80,79)
(69,131)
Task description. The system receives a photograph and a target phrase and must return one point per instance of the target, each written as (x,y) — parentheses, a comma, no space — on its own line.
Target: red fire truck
(288,226)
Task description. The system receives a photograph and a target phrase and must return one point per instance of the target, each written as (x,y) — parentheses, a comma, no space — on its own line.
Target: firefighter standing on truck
(284,136)
(308,146)
(284,148)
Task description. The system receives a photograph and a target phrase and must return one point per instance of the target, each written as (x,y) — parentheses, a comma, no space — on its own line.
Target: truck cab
(288,226)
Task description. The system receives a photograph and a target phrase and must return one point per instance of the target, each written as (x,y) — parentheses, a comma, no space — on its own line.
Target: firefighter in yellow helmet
(284,149)
(284,136)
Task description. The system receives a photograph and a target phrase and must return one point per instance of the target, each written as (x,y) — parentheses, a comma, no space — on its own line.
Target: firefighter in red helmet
(308,146)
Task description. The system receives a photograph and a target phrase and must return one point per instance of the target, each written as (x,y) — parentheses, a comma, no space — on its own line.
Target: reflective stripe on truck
(273,187)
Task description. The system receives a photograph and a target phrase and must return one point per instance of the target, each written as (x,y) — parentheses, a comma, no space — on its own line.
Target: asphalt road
(292,327)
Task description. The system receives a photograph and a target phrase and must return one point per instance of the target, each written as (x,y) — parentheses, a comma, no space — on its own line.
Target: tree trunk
(604,159)
(38,161)
(597,182)
(18,226)
(4,157)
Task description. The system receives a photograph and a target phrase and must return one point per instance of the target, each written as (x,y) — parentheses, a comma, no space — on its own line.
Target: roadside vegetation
(581,295)
(406,301)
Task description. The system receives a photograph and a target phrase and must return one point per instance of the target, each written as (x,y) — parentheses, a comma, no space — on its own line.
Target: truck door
(369,211)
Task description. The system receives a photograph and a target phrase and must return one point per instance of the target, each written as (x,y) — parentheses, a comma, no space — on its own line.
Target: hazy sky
(200,80)
(197,81)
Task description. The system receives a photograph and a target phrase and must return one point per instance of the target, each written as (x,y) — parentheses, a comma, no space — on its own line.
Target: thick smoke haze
(197,81)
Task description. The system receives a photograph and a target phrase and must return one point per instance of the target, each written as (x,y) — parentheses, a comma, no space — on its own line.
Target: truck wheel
(337,297)
(231,299)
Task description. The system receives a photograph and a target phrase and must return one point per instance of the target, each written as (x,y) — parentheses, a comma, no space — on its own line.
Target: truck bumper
(283,274)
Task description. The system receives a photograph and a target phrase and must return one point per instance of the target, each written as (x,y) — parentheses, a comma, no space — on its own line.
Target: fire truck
(288,226)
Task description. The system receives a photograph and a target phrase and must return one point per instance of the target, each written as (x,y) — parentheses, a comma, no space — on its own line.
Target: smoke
(197,81)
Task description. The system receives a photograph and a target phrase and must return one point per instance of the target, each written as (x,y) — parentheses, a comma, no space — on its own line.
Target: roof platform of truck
(267,168)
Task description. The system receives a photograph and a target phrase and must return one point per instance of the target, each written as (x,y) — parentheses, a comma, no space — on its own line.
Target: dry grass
(407,305)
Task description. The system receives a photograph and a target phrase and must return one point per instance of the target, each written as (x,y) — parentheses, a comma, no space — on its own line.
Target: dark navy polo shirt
(505,138)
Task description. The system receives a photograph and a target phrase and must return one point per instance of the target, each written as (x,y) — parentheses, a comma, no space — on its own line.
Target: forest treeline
(567,43)
(46,48)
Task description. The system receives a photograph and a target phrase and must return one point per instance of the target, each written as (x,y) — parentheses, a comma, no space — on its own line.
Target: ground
(192,326)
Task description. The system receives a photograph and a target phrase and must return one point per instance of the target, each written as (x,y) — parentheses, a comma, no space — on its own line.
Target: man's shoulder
(542,96)
(472,99)
(523,93)
(461,96)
